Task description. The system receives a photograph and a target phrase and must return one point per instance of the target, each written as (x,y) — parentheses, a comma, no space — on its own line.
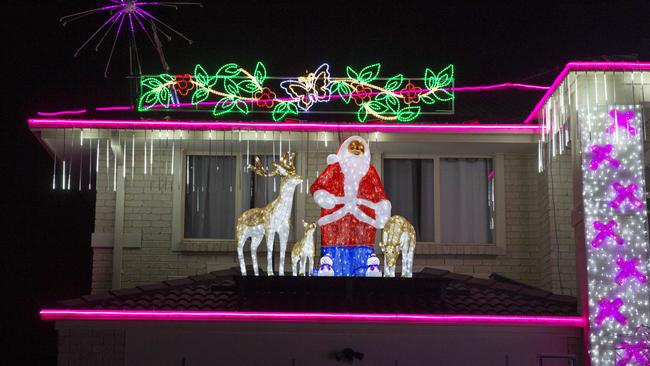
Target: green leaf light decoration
(233,90)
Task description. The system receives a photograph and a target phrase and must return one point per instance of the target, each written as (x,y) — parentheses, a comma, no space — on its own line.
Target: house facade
(487,201)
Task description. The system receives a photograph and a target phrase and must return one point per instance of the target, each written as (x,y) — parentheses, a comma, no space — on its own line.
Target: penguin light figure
(325,269)
(373,266)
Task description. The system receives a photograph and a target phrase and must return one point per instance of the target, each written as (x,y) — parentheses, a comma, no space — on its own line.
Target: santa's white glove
(325,199)
(382,213)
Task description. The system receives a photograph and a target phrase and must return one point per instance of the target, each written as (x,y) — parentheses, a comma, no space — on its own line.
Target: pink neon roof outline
(249,316)
(585,66)
(283,126)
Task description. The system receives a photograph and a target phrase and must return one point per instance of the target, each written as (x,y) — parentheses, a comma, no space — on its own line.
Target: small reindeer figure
(304,251)
(398,236)
(271,219)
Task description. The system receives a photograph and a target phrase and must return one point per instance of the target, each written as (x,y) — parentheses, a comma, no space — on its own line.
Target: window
(209,197)
(465,208)
(211,204)
(466,200)
(409,186)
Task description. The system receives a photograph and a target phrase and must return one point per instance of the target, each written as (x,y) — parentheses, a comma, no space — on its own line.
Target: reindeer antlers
(284,168)
(259,169)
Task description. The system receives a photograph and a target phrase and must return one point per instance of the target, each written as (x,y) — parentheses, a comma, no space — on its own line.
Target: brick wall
(556,236)
(104,220)
(530,255)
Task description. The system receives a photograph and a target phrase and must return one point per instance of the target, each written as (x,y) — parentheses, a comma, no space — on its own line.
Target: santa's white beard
(354,168)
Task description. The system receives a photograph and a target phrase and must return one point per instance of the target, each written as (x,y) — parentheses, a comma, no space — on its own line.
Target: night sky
(46,248)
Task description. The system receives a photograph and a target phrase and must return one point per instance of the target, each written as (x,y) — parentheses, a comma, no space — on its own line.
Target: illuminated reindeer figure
(398,236)
(271,219)
(303,251)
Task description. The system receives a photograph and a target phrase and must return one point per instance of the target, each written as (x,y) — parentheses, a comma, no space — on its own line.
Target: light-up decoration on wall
(232,89)
(602,154)
(636,349)
(616,228)
(628,269)
(605,231)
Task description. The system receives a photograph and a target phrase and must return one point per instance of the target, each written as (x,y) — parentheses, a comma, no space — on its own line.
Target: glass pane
(210,197)
(465,200)
(409,186)
(258,191)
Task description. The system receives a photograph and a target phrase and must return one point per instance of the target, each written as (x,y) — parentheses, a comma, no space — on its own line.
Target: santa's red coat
(349,231)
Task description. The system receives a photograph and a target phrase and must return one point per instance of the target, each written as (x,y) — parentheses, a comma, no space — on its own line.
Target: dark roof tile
(126,291)
(535,292)
(98,297)
(153,286)
(507,287)
(480,282)
(456,276)
(431,291)
(562,298)
(203,277)
(179,282)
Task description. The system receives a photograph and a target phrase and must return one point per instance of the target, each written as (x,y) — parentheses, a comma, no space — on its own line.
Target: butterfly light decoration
(310,89)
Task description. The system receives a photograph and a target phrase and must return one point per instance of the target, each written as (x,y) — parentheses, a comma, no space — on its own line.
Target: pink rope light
(283,126)
(114,108)
(584,66)
(61,113)
(248,316)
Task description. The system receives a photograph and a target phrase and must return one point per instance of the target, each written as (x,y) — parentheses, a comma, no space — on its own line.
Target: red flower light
(183,84)
(411,93)
(361,94)
(265,98)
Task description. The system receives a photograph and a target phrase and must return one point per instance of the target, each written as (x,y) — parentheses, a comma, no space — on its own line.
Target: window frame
(236,187)
(437,246)
(180,242)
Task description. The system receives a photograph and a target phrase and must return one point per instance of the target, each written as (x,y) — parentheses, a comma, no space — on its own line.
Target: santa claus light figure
(353,206)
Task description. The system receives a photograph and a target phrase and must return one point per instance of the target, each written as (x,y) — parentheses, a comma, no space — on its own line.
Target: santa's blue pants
(349,261)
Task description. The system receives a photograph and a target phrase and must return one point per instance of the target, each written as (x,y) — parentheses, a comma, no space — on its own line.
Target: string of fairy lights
(615,227)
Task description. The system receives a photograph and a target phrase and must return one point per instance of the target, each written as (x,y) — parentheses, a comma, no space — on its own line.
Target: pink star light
(610,309)
(621,120)
(602,153)
(605,231)
(625,193)
(628,269)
